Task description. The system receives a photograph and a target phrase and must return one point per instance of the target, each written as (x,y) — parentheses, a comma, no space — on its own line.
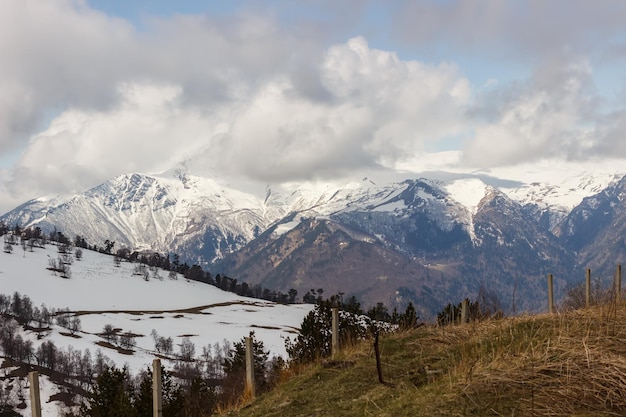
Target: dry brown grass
(569,364)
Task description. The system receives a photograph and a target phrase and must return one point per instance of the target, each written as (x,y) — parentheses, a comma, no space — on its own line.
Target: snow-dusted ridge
(189,210)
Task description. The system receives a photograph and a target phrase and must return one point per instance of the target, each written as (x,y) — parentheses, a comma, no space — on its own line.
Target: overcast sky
(290,90)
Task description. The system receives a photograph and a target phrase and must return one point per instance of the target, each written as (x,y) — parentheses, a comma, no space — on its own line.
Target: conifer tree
(112,395)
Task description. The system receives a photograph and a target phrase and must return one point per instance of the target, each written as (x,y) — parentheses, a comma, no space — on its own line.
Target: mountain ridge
(440,238)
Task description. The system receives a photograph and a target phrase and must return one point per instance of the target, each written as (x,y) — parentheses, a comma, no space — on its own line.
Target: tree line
(17,313)
(314,339)
(170,262)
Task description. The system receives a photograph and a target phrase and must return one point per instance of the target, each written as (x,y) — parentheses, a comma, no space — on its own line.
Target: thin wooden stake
(588,288)
(550,295)
(157,389)
(250,367)
(334,348)
(35,401)
(378,365)
(618,283)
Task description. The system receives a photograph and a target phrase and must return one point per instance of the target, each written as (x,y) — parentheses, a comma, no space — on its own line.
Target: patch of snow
(468,192)
(285,227)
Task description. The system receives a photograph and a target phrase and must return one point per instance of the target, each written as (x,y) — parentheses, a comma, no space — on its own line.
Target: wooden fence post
(618,283)
(334,348)
(35,401)
(250,367)
(157,389)
(379,368)
(588,288)
(550,295)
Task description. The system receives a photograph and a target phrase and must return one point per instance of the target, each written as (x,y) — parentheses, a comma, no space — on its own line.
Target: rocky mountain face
(198,218)
(402,256)
(596,230)
(423,240)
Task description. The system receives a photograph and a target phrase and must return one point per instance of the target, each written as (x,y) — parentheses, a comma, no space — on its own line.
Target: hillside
(100,293)
(569,364)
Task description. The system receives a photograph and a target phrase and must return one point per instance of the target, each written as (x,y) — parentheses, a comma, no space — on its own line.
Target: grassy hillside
(570,364)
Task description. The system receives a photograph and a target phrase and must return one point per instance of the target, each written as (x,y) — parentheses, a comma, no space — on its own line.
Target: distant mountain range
(431,238)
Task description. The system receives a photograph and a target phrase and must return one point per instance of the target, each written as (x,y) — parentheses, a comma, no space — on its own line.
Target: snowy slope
(106,294)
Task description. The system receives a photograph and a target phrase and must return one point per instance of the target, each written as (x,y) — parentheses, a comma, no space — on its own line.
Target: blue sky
(137,11)
(274,91)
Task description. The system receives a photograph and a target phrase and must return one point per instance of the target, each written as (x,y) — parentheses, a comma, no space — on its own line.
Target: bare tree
(63,248)
(162,344)
(187,350)
(65,271)
(127,340)
(156,274)
(5,304)
(63,318)
(74,324)
(52,265)
(109,333)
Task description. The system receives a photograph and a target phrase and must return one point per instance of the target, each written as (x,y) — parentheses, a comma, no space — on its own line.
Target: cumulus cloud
(55,54)
(88,96)
(379,109)
(547,116)
(62,54)
(376,110)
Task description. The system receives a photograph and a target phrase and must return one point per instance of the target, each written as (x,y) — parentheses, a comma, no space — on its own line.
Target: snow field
(105,294)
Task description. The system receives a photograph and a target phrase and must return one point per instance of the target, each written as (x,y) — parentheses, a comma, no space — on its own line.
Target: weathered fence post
(588,288)
(618,283)
(550,295)
(157,389)
(464,311)
(35,401)
(379,368)
(334,347)
(250,367)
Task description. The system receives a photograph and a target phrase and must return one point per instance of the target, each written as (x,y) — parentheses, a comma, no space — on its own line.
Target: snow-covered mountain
(440,220)
(205,218)
(149,212)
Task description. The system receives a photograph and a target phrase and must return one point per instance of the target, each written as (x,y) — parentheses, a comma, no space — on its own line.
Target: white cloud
(543,118)
(372,109)
(379,109)
(88,96)
(148,131)
(55,54)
